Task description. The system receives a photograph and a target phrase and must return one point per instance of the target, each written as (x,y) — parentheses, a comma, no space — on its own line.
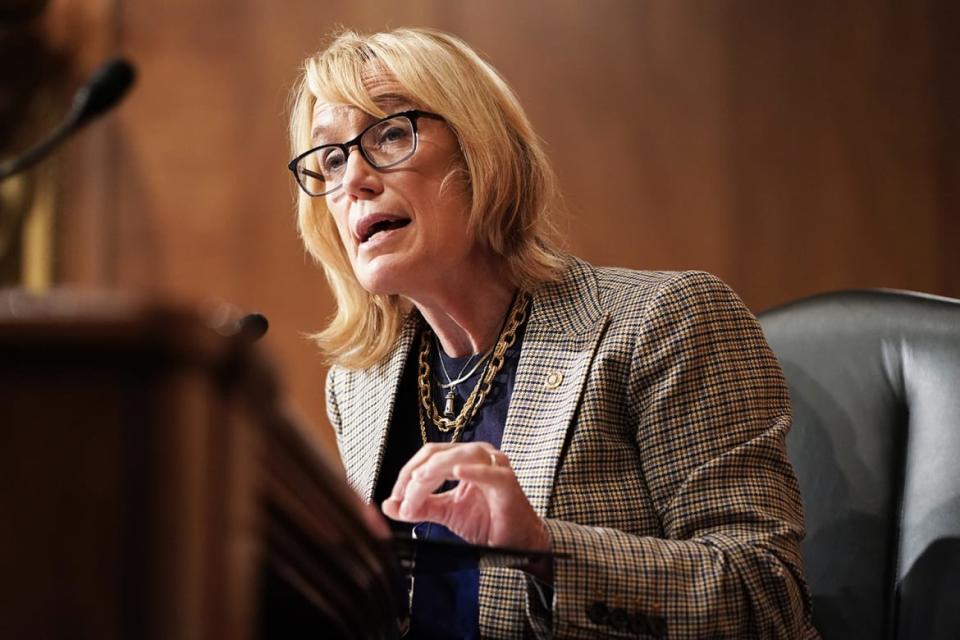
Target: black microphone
(252,326)
(106,88)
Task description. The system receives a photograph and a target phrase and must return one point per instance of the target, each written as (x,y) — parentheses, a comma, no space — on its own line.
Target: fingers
(391,508)
(434,471)
(431,467)
(435,460)
(403,478)
(434,508)
(488,506)
(483,474)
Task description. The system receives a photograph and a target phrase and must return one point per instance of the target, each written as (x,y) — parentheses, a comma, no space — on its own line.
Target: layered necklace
(449,406)
(450,420)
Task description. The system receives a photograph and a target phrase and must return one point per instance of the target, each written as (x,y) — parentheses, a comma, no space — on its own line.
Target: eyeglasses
(385,143)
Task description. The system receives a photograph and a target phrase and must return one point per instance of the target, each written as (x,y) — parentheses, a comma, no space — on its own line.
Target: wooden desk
(151,486)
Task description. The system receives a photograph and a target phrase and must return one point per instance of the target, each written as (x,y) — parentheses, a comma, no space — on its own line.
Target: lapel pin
(553,380)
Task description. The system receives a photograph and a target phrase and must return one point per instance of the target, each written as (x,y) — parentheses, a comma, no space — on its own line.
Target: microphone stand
(106,88)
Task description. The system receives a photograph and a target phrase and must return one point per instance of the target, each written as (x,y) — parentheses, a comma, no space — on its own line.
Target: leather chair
(874,377)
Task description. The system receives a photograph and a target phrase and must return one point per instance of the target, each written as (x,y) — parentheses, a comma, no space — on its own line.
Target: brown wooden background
(789,147)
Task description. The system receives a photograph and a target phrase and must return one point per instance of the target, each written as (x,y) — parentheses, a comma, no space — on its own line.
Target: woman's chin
(381,276)
(397,273)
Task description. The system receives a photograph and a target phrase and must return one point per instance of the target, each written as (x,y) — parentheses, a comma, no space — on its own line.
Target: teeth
(384,225)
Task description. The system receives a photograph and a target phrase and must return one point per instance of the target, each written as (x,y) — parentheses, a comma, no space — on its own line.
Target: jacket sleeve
(710,410)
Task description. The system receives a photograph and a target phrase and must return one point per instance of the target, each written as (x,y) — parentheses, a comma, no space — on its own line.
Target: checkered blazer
(658,461)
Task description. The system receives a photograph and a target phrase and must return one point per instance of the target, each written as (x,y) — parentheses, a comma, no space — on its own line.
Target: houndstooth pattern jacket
(658,462)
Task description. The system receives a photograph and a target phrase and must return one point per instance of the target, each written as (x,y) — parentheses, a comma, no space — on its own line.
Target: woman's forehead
(332,118)
(331,121)
(336,117)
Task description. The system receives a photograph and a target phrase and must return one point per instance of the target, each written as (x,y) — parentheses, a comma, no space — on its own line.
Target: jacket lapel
(368,429)
(559,345)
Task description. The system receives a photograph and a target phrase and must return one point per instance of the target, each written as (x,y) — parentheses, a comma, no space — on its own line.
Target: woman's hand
(486,507)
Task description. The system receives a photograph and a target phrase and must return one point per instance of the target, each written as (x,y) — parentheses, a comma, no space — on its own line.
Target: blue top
(445,605)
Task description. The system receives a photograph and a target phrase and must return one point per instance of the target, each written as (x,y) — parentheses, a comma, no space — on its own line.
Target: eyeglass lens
(383,144)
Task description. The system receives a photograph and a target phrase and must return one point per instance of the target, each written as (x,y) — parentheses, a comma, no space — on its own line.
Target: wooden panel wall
(789,147)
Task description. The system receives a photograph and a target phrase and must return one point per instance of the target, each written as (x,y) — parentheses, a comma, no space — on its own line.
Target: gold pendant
(449,411)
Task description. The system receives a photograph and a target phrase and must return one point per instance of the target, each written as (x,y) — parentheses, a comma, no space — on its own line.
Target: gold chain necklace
(508,337)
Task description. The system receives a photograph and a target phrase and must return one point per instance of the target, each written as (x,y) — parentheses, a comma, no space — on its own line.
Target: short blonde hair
(512,187)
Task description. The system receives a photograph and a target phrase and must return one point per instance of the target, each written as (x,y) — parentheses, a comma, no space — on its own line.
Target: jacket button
(618,619)
(658,626)
(638,624)
(597,613)
(553,380)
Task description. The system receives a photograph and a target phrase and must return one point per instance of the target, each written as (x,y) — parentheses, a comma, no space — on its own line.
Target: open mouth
(379,224)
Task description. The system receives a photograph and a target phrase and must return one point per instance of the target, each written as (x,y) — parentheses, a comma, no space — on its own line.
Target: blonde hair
(512,186)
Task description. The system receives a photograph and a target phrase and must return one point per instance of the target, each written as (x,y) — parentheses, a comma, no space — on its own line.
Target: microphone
(105,88)
(252,326)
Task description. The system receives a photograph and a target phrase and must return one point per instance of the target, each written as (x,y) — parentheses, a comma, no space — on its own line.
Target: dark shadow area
(849,548)
(929,593)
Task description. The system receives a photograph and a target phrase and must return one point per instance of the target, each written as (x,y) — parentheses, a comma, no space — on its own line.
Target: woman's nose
(360,179)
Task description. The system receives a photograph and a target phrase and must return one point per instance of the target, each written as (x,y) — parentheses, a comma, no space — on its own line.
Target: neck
(466,313)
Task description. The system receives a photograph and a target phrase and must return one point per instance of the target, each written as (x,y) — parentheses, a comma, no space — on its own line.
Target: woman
(487,386)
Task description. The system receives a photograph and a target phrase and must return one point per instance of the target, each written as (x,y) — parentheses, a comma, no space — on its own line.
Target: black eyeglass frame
(412,115)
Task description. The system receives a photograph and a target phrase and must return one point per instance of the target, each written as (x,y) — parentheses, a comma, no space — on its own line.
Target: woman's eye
(392,135)
(332,161)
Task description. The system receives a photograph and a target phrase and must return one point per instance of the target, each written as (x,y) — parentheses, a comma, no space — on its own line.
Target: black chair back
(874,378)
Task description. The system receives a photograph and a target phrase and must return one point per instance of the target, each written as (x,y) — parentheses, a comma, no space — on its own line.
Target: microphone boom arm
(106,88)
